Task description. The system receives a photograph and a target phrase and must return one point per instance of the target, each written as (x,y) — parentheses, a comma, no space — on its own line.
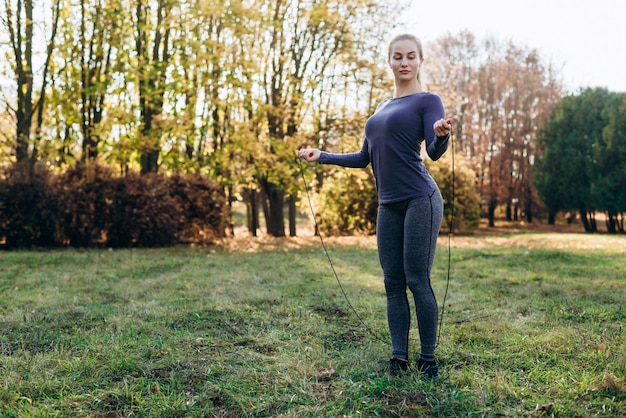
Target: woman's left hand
(442,127)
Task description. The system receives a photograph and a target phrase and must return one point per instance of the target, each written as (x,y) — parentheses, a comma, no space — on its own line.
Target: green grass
(533,325)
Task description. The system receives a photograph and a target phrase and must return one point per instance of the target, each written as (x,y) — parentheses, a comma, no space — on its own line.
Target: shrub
(348,204)
(348,201)
(203,208)
(29,215)
(466,215)
(148,211)
(82,194)
(89,206)
(141,212)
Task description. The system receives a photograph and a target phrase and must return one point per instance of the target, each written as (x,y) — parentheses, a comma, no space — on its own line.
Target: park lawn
(533,326)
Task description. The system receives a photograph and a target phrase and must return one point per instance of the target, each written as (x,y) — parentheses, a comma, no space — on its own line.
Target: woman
(410,205)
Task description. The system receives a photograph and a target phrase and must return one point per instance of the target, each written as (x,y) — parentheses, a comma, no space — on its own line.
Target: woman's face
(404,60)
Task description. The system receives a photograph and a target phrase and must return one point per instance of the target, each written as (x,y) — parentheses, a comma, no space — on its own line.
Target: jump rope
(332,266)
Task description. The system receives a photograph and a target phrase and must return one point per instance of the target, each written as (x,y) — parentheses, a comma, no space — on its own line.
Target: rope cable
(451,230)
(330,261)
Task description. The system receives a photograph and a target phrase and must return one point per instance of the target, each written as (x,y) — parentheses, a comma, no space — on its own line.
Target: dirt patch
(540,240)
(559,237)
(268,243)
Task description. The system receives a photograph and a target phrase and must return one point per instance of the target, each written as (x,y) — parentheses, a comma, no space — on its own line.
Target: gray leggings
(407,237)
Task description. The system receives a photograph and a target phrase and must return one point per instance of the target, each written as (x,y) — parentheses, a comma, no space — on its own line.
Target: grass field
(533,326)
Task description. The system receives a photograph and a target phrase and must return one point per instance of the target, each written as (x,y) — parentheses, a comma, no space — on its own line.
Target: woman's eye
(409,57)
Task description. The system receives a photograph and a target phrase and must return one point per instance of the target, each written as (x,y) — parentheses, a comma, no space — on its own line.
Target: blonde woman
(410,205)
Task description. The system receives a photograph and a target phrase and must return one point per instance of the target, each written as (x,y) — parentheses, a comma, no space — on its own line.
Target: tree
(20,24)
(84,66)
(303,41)
(153,48)
(498,95)
(232,89)
(608,188)
(567,167)
(96,51)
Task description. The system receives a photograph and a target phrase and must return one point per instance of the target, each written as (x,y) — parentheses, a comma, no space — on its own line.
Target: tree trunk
(252,211)
(273,207)
(149,161)
(292,216)
(20,26)
(24,73)
(228,191)
(611,224)
(584,218)
(152,63)
(94,80)
(491,212)
(529,212)
(528,206)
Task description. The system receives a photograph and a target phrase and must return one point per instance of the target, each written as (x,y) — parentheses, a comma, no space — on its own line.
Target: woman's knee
(395,285)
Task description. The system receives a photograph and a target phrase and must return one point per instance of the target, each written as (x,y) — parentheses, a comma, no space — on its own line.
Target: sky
(586,38)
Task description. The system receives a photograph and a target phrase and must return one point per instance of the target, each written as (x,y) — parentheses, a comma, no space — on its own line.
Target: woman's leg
(389,235)
(422,224)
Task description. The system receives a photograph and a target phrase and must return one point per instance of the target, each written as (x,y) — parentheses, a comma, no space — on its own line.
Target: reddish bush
(82,194)
(203,208)
(142,212)
(29,215)
(89,206)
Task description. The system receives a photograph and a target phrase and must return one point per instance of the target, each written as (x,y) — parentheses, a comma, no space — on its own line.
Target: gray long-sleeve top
(393,138)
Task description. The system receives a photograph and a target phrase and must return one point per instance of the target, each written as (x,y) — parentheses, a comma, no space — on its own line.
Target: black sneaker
(428,368)
(398,366)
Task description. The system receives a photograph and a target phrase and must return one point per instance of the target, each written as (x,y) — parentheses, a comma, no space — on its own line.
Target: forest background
(144,122)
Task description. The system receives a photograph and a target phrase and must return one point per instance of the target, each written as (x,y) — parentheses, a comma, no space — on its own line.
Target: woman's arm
(353,159)
(437,129)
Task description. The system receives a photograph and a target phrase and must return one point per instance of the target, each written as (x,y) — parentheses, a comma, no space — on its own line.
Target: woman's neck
(406,89)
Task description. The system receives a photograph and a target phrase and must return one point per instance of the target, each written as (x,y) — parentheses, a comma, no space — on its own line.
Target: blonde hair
(415,40)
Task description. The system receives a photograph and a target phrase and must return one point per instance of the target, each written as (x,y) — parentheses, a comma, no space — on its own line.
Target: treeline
(230,90)
(582,167)
(225,89)
(499,95)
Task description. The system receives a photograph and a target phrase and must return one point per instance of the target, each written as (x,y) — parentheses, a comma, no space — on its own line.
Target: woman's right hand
(309,154)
